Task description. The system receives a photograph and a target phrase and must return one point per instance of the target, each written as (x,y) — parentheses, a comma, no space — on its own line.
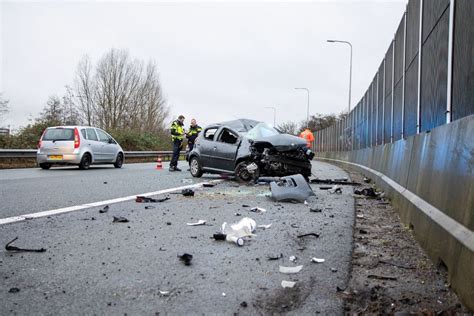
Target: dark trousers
(191,146)
(176,150)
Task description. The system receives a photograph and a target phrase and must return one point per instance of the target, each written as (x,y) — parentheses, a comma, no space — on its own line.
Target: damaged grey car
(249,149)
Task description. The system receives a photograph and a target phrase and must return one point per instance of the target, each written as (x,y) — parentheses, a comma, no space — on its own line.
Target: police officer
(177,136)
(193,133)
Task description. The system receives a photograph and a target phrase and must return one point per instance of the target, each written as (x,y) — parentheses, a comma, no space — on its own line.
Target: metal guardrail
(31,153)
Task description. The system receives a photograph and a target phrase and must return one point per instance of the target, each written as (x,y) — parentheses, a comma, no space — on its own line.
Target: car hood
(282,142)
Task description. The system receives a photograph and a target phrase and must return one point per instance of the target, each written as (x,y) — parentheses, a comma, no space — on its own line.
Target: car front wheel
(243,174)
(119,161)
(195,167)
(45,166)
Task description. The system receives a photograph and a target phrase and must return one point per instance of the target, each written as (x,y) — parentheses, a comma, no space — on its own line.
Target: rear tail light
(77,140)
(40,142)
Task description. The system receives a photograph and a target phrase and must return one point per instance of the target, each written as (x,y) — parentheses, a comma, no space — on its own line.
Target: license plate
(56,157)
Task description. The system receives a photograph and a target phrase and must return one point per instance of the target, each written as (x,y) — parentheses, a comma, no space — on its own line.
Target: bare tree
(288,128)
(4,109)
(121,94)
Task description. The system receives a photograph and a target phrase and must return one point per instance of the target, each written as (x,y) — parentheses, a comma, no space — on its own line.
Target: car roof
(72,126)
(239,125)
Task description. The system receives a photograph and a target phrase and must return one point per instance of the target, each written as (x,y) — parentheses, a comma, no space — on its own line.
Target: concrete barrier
(430,180)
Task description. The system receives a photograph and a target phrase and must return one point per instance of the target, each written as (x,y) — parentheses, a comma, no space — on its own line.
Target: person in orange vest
(308,135)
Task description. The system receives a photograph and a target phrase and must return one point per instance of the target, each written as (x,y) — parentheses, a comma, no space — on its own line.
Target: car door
(225,149)
(94,144)
(108,150)
(205,146)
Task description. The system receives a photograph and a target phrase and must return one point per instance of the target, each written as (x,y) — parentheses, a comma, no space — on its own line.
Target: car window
(59,134)
(226,136)
(91,135)
(103,137)
(83,132)
(209,133)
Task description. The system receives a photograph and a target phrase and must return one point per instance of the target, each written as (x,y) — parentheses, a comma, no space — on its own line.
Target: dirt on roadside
(391,274)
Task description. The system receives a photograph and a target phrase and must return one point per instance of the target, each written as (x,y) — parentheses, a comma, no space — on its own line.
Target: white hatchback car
(78,145)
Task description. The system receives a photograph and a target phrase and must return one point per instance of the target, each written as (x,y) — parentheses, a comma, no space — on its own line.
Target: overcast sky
(217,60)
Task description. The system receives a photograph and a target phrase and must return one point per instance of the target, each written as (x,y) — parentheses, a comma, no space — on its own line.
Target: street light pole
(350,69)
(274,114)
(307,109)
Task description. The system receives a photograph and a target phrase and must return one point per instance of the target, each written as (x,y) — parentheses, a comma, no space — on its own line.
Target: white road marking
(20,218)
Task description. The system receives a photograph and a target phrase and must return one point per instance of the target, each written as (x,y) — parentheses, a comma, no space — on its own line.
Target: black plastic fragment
(9,247)
(144,199)
(186,258)
(104,210)
(309,234)
(120,219)
(219,236)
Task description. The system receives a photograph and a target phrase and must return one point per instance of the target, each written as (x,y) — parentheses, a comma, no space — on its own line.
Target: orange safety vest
(306,134)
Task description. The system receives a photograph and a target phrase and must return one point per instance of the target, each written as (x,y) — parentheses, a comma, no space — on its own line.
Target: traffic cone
(159,165)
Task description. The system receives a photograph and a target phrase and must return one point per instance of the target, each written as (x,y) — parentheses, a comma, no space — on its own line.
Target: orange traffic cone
(159,165)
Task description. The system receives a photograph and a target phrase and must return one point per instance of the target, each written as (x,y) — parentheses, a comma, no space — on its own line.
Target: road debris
(219,236)
(316,210)
(188,181)
(287,284)
(382,277)
(317,260)
(208,185)
(223,294)
(335,181)
(333,270)
(198,223)
(367,192)
(308,234)
(186,258)
(104,210)
(186,192)
(258,210)
(9,247)
(291,189)
(275,257)
(120,219)
(164,293)
(144,199)
(244,304)
(265,226)
(14,290)
(335,189)
(237,231)
(293,258)
(237,214)
(149,207)
(290,270)
(325,188)
(367,180)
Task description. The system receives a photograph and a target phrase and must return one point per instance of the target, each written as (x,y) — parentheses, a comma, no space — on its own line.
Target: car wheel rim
(194,166)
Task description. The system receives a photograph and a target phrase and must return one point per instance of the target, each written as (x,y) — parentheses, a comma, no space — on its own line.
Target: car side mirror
(111,141)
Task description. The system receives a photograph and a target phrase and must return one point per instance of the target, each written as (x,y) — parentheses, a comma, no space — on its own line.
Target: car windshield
(59,134)
(261,130)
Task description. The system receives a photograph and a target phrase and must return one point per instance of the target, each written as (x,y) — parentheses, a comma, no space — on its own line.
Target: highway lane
(94,266)
(24,191)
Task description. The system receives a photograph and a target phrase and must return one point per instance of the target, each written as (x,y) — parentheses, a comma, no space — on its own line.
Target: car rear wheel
(195,167)
(45,166)
(85,162)
(119,161)
(243,174)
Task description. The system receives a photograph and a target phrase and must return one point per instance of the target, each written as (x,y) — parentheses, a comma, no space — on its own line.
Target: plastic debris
(360,215)
(287,284)
(120,219)
(149,207)
(367,180)
(187,181)
(219,236)
(317,260)
(290,189)
(293,258)
(237,214)
(316,210)
(273,257)
(335,189)
(366,192)
(334,270)
(208,185)
(265,226)
(235,232)
(290,270)
(331,181)
(198,223)
(186,258)
(164,293)
(104,210)
(308,234)
(144,199)
(14,290)
(244,304)
(223,294)
(9,247)
(258,210)
(185,192)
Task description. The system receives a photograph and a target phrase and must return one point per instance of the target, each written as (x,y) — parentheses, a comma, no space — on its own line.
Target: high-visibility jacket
(193,133)
(177,131)
(306,134)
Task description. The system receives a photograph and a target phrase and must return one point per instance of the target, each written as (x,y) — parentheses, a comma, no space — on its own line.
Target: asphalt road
(95,266)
